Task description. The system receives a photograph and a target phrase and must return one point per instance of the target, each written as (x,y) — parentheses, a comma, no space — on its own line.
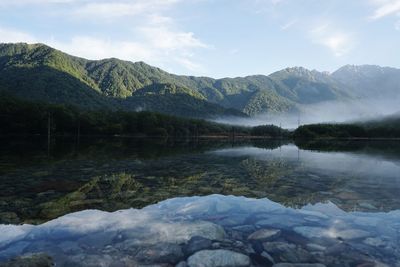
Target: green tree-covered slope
(39,72)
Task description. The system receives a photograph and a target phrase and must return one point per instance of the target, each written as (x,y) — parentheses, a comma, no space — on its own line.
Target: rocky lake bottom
(251,204)
(212,230)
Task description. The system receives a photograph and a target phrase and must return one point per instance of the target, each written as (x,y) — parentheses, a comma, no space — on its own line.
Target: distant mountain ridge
(369,80)
(39,72)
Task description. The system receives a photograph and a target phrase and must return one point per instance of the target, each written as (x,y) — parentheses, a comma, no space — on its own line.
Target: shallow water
(335,203)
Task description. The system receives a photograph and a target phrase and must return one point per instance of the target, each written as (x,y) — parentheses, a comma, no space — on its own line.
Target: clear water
(335,203)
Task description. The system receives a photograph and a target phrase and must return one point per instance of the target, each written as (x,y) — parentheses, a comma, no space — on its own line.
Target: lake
(200,202)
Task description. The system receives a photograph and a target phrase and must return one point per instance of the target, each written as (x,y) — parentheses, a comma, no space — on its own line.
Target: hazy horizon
(353,110)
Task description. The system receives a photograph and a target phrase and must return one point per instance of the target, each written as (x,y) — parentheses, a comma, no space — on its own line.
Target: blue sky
(217,38)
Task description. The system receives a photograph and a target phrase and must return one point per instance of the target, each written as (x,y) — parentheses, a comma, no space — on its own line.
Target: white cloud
(385,8)
(96,48)
(151,36)
(397,25)
(34,2)
(190,65)
(273,2)
(160,46)
(339,42)
(234,51)
(114,9)
(14,36)
(288,25)
(165,38)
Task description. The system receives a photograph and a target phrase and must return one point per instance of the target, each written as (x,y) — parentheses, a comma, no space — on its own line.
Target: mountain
(368,81)
(41,73)
(307,87)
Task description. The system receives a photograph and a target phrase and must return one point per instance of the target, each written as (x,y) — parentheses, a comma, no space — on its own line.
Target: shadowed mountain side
(46,84)
(178,105)
(49,85)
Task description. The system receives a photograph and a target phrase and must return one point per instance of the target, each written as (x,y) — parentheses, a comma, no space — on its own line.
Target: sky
(216,38)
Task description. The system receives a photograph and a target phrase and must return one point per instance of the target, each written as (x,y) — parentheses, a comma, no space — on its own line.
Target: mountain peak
(19,48)
(358,70)
(301,72)
(297,70)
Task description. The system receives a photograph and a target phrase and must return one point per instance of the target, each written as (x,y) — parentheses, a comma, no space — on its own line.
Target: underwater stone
(197,243)
(30,260)
(160,253)
(218,258)
(265,234)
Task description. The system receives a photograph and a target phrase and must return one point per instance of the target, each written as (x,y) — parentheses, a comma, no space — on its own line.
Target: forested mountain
(39,72)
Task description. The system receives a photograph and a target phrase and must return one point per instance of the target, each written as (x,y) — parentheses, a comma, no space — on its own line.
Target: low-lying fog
(333,111)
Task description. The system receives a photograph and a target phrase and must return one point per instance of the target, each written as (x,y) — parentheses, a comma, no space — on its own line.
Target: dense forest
(384,128)
(26,117)
(23,117)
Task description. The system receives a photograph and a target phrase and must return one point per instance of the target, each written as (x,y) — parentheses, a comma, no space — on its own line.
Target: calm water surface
(320,196)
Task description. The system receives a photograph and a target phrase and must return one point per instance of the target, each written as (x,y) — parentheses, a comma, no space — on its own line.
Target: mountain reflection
(119,173)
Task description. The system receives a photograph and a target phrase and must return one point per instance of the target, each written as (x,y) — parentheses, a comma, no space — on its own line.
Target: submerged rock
(263,259)
(265,234)
(89,260)
(176,233)
(181,264)
(311,232)
(197,243)
(244,228)
(203,229)
(315,247)
(160,253)
(375,242)
(352,234)
(299,265)
(218,258)
(30,260)
(286,252)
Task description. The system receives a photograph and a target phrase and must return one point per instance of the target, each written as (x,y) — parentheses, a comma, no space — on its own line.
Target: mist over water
(324,112)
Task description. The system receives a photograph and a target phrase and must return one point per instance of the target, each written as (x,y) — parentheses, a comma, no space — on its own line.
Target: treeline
(381,129)
(29,118)
(23,117)
(270,131)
